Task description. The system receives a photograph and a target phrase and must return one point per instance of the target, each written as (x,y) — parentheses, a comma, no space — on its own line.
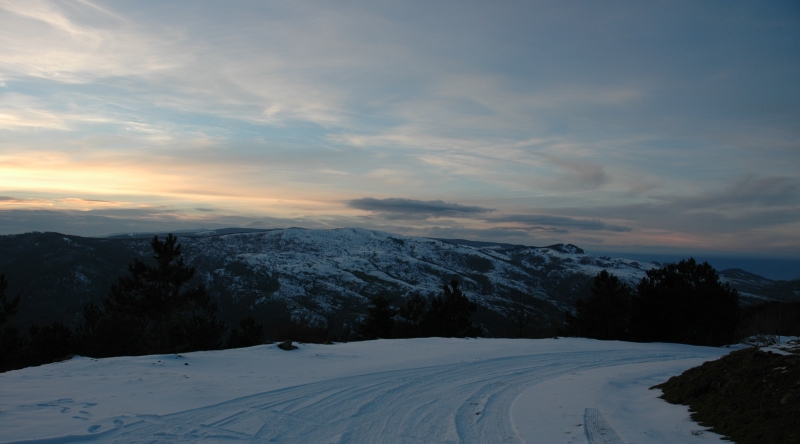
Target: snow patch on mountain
(315,270)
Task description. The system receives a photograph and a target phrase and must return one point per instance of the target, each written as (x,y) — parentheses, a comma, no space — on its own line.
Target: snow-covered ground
(395,391)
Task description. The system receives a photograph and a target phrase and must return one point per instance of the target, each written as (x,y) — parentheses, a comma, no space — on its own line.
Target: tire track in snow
(457,403)
(597,429)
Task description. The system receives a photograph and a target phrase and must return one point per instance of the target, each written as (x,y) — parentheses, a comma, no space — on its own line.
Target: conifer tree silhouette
(379,323)
(606,314)
(409,322)
(7,308)
(450,314)
(152,310)
(685,303)
(11,343)
(251,334)
(521,319)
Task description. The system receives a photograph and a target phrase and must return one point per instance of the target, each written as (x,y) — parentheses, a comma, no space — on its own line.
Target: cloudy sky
(616,126)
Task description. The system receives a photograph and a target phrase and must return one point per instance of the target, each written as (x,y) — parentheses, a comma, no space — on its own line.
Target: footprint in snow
(93,428)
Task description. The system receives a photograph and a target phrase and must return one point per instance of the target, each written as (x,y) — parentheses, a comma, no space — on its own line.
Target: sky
(651,127)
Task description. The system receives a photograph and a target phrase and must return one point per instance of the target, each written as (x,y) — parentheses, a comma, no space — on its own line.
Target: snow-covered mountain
(327,275)
(337,268)
(324,275)
(755,289)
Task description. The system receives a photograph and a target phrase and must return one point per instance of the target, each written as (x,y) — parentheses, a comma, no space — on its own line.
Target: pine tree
(50,343)
(11,343)
(153,311)
(521,319)
(251,334)
(606,314)
(450,314)
(379,323)
(408,323)
(7,308)
(685,303)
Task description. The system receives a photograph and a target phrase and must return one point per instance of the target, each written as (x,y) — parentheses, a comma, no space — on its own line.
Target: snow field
(554,411)
(398,391)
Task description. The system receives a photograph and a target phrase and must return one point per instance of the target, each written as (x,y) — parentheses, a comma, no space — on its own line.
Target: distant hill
(327,275)
(755,287)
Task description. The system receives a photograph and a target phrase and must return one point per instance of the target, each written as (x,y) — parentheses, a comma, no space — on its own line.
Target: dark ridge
(738,273)
(778,290)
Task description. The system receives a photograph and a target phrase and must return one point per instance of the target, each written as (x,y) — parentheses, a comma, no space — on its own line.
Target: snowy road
(411,391)
(448,403)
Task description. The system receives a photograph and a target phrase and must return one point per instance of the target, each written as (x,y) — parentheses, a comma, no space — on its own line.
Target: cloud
(748,203)
(101,222)
(584,173)
(10,201)
(751,215)
(752,190)
(540,222)
(286,108)
(90,202)
(398,207)
(78,43)
(489,234)
(27,119)
(538,229)
(590,240)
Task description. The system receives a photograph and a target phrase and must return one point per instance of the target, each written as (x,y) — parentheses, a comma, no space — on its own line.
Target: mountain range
(328,276)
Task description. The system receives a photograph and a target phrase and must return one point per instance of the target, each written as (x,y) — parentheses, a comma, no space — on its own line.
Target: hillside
(324,275)
(751,395)
(757,288)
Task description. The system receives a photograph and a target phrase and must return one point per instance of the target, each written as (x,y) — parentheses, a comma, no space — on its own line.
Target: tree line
(446,315)
(154,310)
(681,302)
(151,311)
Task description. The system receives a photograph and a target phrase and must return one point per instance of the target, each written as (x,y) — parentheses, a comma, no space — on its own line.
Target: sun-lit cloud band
(613,126)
